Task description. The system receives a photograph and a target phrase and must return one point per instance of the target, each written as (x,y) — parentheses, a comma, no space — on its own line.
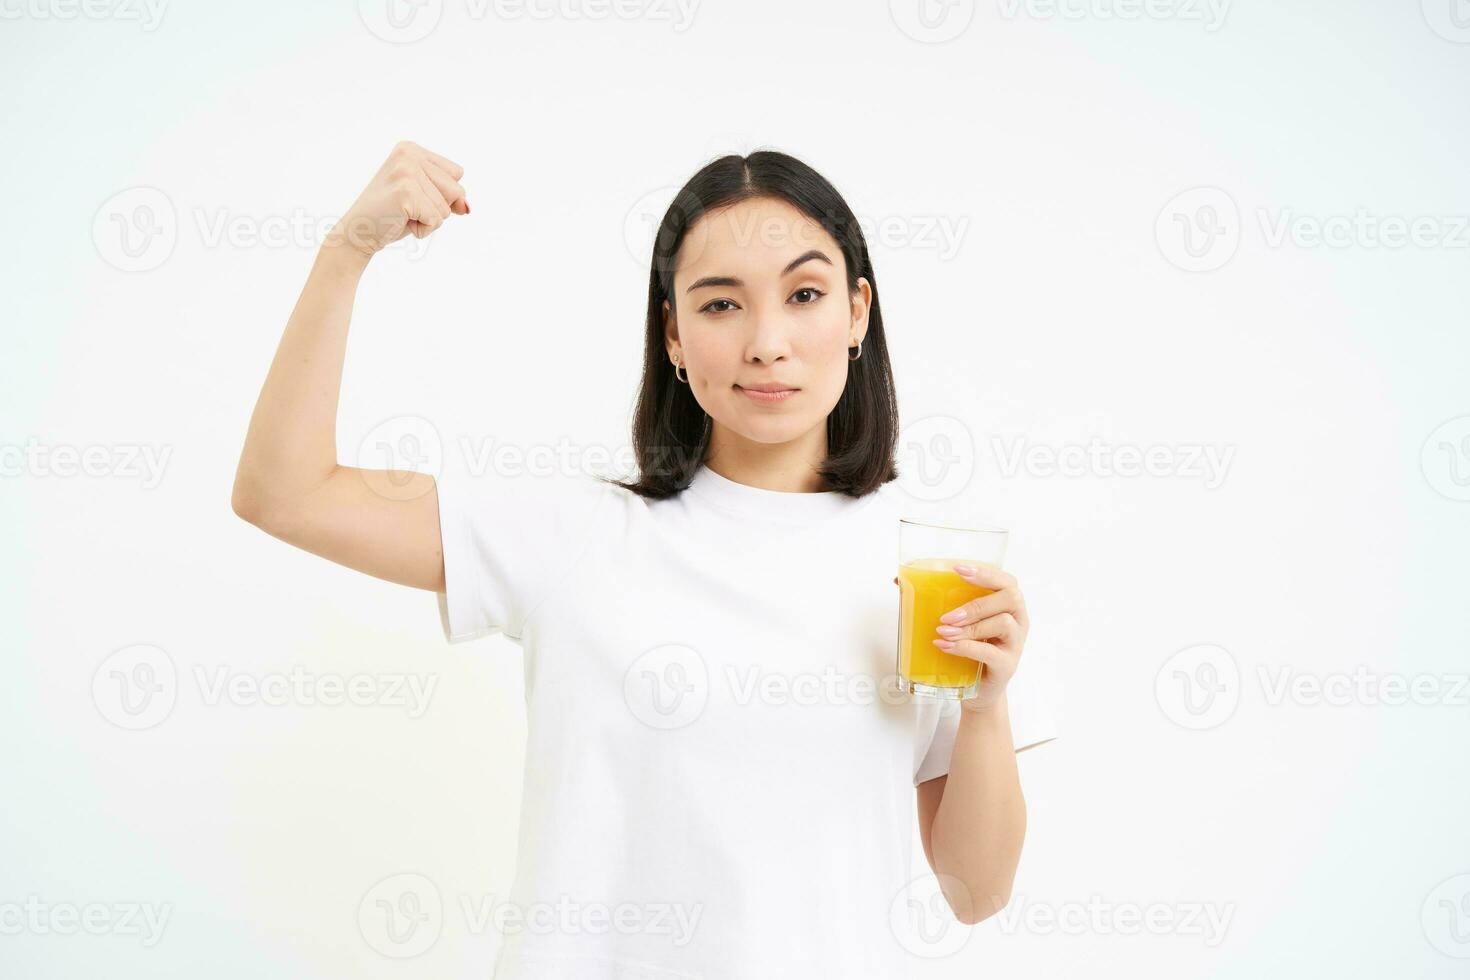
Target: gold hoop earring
(684,379)
(851,357)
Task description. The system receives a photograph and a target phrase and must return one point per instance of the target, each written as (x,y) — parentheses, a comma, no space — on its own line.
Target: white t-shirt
(718,782)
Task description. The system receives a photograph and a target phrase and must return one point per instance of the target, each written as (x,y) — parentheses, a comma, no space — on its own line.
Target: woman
(718,783)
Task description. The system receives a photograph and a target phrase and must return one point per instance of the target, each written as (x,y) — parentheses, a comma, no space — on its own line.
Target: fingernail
(948,630)
(944,644)
(965,569)
(953,616)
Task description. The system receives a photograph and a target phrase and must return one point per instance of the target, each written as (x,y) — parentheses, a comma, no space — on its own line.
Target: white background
(1064,311)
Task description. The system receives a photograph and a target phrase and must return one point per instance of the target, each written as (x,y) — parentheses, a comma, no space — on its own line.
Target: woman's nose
(770,342)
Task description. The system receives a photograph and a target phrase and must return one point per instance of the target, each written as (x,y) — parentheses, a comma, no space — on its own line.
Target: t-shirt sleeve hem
(1031,725)
(936,769)
(461,615)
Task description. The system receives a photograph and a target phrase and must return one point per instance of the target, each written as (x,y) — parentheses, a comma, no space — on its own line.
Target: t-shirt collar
(778,505)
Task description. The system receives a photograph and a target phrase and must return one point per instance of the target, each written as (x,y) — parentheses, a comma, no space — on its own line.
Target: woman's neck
(791,467)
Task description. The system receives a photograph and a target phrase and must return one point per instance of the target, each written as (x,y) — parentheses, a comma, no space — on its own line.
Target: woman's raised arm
(288,482)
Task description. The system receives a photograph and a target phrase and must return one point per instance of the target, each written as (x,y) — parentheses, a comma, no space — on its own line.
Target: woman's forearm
(980,824)
(290,447)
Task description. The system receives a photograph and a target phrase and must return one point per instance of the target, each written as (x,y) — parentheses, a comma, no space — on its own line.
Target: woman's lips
(768,397)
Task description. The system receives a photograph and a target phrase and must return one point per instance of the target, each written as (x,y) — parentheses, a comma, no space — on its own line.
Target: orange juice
(929,588)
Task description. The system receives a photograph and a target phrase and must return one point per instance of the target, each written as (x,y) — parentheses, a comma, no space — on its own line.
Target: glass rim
(982,529)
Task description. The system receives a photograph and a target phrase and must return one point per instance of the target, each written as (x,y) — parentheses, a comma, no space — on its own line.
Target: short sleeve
(938,722)
(505,539)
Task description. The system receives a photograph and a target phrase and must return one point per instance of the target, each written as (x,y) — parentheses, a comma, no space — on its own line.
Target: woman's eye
(713,306)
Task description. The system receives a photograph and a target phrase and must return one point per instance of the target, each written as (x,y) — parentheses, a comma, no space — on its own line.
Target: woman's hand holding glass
(991,629)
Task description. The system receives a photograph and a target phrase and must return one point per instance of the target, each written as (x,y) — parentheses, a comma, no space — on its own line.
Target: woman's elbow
(978,912)
(973,903)
(248,500)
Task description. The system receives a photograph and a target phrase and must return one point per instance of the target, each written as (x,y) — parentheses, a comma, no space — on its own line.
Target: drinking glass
(929,587)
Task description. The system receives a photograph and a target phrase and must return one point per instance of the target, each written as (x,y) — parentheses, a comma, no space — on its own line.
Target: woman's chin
(770,430)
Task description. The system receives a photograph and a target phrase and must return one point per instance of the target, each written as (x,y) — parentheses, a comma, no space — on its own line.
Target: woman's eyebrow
(807,256)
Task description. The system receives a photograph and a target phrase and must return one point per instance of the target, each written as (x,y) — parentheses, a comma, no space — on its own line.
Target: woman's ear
(862,300)
(671,331)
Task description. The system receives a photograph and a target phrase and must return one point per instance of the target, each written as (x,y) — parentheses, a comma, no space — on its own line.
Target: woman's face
(760,299)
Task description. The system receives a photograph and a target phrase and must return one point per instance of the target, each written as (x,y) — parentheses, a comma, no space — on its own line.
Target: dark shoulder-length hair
(671,431)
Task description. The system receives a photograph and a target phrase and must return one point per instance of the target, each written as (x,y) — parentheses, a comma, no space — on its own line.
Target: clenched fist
(413,192)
